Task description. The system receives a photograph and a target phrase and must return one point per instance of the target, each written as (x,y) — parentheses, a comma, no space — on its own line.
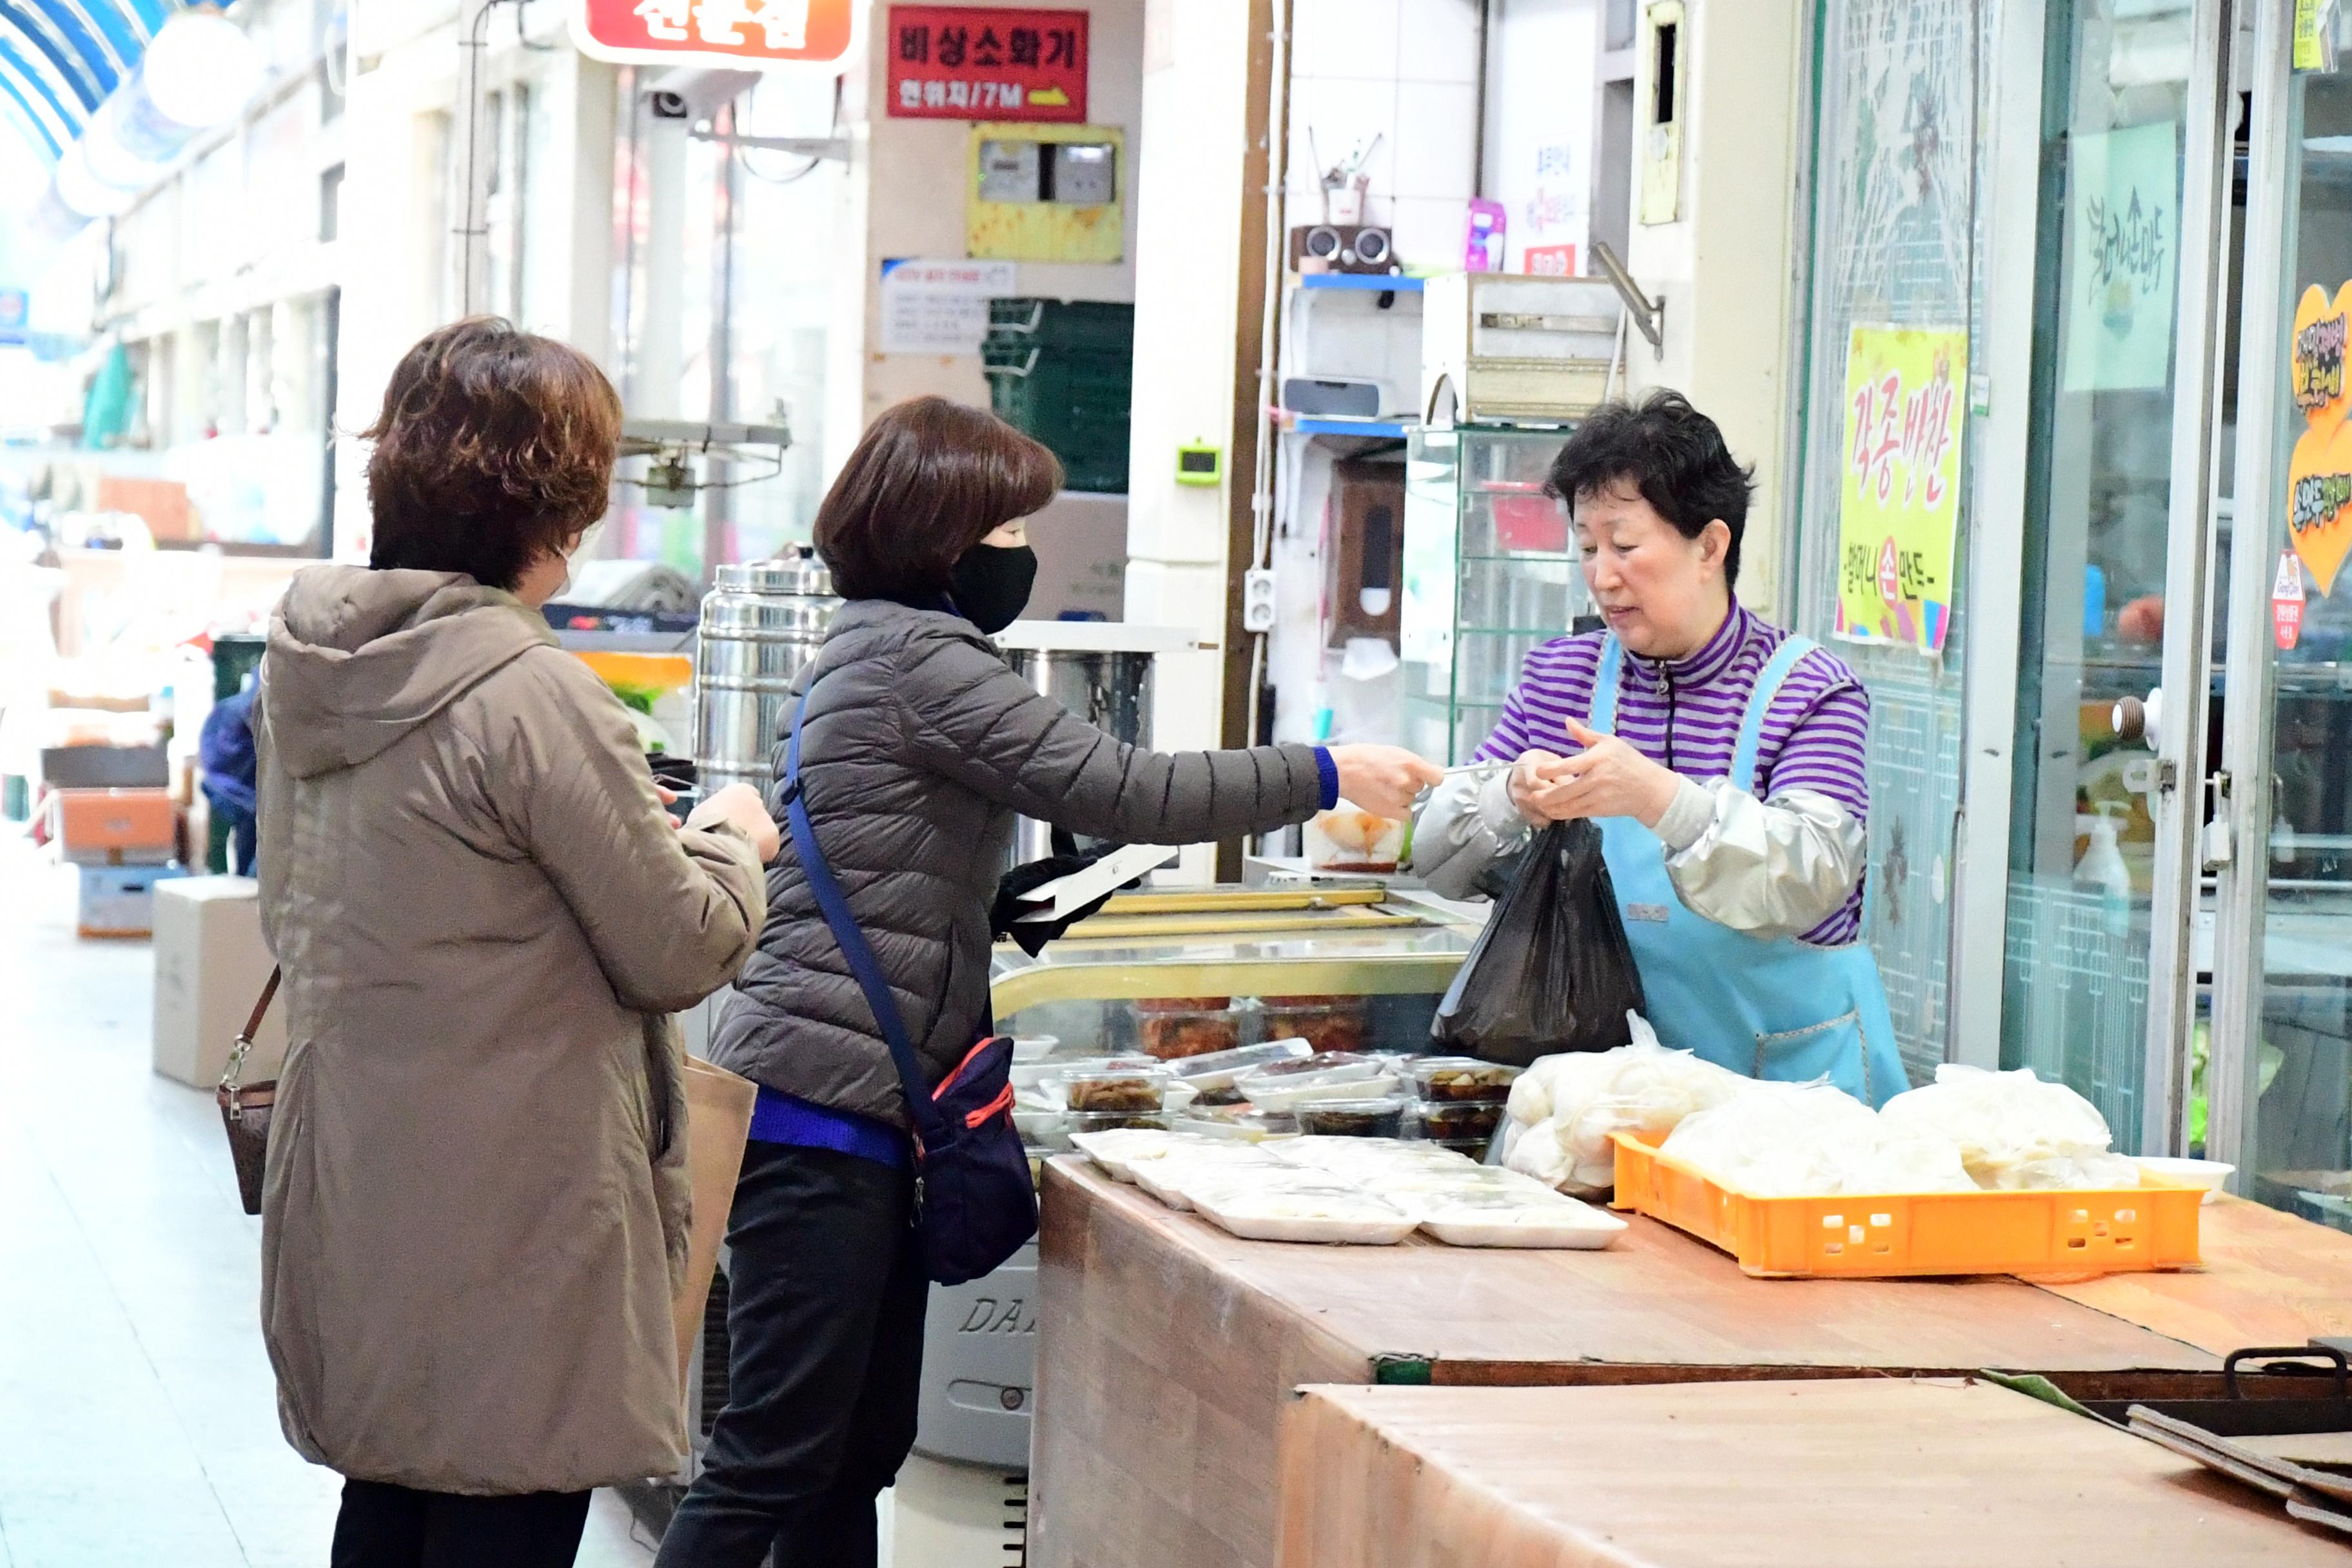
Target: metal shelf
(1359,282)
(1374,429)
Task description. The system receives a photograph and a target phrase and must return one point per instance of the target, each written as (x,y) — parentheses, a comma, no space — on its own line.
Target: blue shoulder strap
(1759,702)
(863,964)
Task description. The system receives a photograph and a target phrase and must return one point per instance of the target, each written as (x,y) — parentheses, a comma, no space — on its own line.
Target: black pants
(392,1527)
(826,1320)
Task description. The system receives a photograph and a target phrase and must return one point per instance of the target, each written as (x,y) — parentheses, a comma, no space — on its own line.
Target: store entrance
(2280,1073)
(2179,940)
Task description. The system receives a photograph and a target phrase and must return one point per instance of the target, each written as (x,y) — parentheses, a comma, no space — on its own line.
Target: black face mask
(992,584)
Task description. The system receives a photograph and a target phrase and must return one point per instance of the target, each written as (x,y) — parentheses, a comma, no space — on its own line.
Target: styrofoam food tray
(1166,1177)
(1520,1222)
(1331,1215)
(1118,1150)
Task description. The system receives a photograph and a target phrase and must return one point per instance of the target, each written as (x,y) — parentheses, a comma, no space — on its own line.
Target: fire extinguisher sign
(742,34)
(986,62)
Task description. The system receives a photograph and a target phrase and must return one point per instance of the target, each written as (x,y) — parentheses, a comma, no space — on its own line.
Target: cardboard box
(114,826)
(105,767)
(120,900)
(210,966)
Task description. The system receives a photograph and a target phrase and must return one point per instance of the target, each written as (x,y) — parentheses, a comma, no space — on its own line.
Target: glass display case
(1155,983)
(1490,571)
(1161,981)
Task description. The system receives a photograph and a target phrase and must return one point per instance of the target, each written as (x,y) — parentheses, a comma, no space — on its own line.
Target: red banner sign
(746,35)
(972,62)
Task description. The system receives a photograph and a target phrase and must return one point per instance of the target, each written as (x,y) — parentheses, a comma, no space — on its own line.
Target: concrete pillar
(1725,265)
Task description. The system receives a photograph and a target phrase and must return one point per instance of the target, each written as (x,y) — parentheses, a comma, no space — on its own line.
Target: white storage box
(210,966)
(1513,348)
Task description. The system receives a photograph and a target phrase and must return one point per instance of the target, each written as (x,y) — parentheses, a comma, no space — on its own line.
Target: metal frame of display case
(1484,579)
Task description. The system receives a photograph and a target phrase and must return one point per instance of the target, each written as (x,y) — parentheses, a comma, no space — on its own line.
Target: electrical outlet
(1257,600)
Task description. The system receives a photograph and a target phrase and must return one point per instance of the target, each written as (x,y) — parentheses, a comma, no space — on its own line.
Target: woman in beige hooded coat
(475,1205)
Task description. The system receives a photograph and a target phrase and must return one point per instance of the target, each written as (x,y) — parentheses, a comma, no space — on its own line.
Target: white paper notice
(941,307)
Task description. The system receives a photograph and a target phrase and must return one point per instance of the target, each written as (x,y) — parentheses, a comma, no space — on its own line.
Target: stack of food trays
(1345,1190)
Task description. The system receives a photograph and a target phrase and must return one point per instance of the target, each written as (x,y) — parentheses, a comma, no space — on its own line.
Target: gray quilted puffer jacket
(920,747)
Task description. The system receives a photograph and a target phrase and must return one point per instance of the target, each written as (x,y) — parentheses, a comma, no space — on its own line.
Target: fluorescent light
(201,70)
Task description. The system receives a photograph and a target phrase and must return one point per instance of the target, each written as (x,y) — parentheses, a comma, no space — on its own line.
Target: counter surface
(2269,1279)
(1876,1474)
(1169,1349)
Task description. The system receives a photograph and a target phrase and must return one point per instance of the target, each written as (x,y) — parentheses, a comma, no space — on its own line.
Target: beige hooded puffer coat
(470,1222)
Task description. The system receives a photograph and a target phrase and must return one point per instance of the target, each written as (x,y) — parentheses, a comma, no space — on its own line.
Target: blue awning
(59,59)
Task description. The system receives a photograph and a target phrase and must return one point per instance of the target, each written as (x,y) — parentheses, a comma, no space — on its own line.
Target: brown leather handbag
(245,1108)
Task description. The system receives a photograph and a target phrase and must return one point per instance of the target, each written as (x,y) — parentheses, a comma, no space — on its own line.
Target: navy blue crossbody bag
(975,1204)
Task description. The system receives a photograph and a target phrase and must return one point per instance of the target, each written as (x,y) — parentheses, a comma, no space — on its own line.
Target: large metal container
(1108,687)
(761,626)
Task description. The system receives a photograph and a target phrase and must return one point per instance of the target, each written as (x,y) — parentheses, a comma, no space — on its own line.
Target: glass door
(2282,1060)
(2112,642)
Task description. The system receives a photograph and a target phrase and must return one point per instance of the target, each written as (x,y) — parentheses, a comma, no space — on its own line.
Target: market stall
(1169,1348)
(1848,1474)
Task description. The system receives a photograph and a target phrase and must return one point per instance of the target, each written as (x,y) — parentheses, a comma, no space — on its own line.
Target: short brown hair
(931,479)
(495,447)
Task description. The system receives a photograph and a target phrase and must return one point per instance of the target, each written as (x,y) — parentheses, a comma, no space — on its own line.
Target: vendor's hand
(1607,778)
(739,806)
(1383,780)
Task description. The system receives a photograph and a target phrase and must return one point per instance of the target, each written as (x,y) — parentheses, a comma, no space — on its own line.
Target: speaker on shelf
(1342,248)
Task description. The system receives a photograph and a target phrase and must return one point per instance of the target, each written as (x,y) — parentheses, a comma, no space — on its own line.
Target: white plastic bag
(2013,1129)
(1813,1140)
(1567,1108)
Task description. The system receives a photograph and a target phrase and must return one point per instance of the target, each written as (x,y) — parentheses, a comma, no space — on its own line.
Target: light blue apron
(1771,1008)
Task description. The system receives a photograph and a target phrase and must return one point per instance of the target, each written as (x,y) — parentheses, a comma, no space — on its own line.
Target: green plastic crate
(1062,371)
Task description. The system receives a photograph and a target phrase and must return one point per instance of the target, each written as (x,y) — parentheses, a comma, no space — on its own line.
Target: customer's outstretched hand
(739,806)
(1383,780)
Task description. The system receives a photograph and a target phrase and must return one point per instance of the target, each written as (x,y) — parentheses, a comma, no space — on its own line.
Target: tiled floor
(137,1424)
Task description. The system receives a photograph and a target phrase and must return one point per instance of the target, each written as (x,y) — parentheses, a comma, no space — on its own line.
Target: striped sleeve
(1509,741)
(1828,746)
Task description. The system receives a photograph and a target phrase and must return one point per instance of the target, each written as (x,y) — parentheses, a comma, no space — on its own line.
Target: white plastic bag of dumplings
(2014,1130)
(1813,1140)
(1564,1110)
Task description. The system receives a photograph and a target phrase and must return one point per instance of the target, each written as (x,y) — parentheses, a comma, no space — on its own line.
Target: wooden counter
(1169,1349)
(1880,1474)
(2269,1279)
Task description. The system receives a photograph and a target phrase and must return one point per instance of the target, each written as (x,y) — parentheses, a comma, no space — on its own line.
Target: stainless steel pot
(1111,689)
(761,625)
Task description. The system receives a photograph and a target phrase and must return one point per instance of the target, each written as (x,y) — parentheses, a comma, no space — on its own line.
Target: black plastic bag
(1552,972)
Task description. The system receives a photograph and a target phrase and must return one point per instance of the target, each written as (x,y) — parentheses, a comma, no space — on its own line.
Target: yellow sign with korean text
(1898,524)
(2319,472)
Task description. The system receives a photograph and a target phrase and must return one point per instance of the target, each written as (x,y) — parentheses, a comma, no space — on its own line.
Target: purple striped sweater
(1687,713)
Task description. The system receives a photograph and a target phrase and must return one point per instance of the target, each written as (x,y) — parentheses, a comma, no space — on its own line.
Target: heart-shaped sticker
(2319,501)
(2315,362)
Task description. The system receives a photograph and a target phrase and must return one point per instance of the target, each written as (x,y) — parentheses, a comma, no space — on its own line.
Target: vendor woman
(1722,757)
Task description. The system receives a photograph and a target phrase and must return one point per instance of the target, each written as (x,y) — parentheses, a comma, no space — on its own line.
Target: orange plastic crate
(2109,1231)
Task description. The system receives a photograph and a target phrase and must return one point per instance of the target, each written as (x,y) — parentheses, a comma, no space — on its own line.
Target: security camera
(695,93)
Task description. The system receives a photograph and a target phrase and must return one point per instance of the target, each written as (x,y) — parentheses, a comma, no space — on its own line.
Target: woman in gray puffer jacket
(920,747)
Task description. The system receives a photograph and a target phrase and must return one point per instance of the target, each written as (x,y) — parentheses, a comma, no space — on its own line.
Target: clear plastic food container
(1083,1121)
(1325,1023)
(1040,1076)
(1456,1123)
(1239,1124)
(1461,1079)
(1219,1071)
(1329,1075)
(1381,1117)
(1179,1035)
(1122,1091)
(1047,1131)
